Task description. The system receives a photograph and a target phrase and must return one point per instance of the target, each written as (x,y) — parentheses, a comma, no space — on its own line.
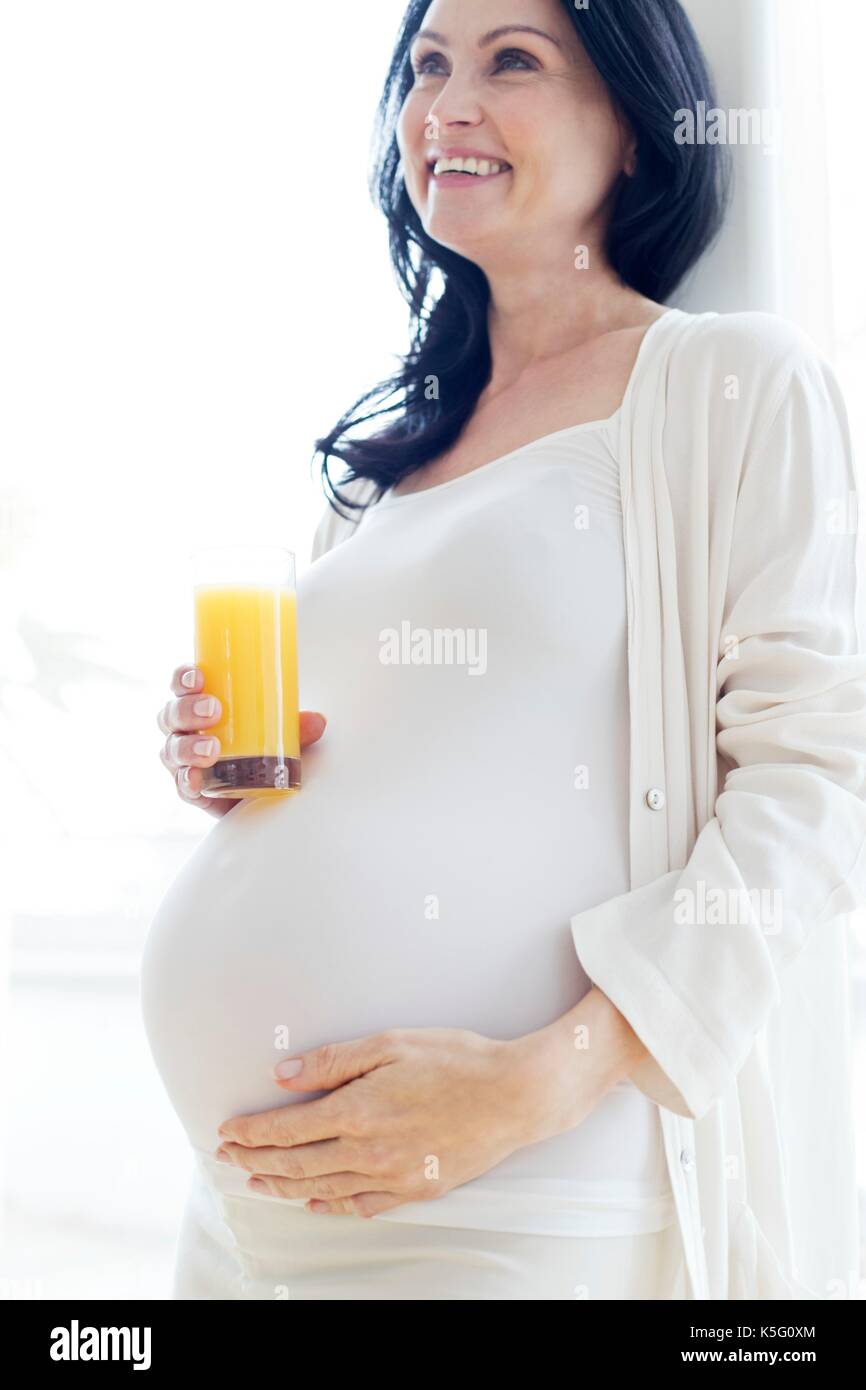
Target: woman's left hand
(411,1114)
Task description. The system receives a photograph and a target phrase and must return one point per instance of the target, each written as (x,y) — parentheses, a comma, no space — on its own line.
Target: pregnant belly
(325,917)
(295,923)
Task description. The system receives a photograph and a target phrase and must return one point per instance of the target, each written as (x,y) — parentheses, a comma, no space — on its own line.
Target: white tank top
(468,645)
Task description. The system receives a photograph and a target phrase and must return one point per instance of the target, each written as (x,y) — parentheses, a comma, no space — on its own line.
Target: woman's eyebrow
(493,35)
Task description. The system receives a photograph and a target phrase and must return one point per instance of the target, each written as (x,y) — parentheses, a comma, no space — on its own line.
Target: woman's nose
(457,103)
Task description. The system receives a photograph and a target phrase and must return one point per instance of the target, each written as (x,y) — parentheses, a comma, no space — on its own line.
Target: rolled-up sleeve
(693,959)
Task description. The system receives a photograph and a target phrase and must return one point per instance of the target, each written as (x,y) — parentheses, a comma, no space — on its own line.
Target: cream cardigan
(747,682)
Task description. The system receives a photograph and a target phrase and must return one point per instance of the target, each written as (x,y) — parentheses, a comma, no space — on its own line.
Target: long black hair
(663,218)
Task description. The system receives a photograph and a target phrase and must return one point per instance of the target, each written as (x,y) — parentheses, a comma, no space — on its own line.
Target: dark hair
(663,218)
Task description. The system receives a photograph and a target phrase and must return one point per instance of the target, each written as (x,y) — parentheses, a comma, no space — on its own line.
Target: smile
(450,169)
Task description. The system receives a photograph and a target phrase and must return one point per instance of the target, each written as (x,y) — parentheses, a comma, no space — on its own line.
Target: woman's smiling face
(509,83)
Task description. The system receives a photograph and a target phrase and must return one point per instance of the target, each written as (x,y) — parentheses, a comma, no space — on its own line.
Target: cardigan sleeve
(694,958)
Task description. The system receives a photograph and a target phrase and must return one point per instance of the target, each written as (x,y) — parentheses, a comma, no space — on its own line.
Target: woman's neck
(544,315)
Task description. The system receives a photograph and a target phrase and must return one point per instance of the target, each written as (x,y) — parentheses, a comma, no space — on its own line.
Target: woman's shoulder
(751,358)
(753,335)
(334,527)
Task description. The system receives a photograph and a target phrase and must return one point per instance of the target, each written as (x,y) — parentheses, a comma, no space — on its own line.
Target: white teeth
(482,168)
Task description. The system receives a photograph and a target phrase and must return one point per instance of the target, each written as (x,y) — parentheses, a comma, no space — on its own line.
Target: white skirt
(298,1254)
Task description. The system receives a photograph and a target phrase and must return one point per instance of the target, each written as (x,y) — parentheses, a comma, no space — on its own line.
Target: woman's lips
(452,180)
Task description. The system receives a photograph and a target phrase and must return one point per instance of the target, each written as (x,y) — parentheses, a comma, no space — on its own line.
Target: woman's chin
(466,234)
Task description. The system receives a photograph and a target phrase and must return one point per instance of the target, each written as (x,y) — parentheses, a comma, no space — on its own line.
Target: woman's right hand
(187,729)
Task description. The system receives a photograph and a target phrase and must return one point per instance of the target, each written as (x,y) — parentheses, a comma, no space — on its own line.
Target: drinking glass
(246,648)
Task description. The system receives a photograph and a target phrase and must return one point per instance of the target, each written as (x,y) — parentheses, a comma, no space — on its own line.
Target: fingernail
(189,679)
(204,747)
(223,1156)
(257,1185)
(290,1068)
(206,707)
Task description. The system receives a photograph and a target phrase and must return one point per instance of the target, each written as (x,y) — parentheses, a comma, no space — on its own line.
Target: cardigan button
(687,1159)
(655,798)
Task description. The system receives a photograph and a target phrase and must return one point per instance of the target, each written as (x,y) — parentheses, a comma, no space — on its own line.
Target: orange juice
(246,649)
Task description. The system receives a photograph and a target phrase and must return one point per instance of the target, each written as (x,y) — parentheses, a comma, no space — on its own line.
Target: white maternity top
(468,645)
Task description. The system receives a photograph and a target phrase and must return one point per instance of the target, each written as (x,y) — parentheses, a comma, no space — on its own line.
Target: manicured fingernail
(290,1068)
(257,1185)
(204,747)
(189,679)
(206,707)
(315,1205)
(223,1156)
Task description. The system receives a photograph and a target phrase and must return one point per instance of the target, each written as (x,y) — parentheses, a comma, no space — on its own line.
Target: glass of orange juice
(246,649)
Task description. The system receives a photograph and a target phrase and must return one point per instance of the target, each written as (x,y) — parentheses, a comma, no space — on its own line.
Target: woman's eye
(428,64)
(506,60)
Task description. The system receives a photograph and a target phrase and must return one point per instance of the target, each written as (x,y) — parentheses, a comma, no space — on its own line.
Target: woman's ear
(630,163)
(628,144)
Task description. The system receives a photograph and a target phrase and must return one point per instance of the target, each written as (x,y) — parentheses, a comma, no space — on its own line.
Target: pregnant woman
(455,1022)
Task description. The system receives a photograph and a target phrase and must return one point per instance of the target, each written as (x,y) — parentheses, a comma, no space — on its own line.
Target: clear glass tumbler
(246,648)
